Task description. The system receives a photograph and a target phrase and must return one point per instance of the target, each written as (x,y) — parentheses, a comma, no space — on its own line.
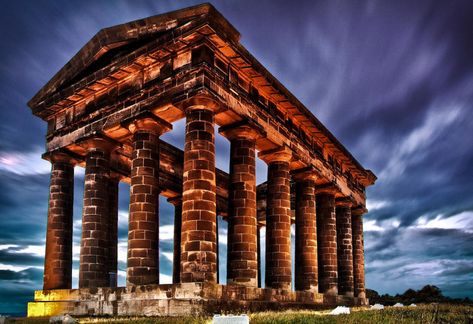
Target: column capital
(97,140)
(176,200)
(279,154)
(328,188)
(148,121)
(243,129)
(343,202)
(62,156)
(307,173)
(359,210)
(202,101)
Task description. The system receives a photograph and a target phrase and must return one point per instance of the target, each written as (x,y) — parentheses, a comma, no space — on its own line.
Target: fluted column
(278,272)
(327,242)
(176,260)
(58,259)
(242,263)
(306,276)
(113,229)
(93,268)
(199,228)
(358,253)
(143,228)
(344,247)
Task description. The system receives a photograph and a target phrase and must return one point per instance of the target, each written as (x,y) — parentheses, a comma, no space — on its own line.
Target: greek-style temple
(106,110)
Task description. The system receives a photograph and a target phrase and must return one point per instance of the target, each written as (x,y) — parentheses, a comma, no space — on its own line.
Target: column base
(177,300)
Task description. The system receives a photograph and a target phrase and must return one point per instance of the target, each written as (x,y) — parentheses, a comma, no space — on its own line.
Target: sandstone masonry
(106,110)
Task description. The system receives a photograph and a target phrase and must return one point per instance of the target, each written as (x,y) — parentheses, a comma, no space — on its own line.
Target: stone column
(217,251)
(94,252)
(242,263)
(278,273)
(344,247)
(199,228)
(143,229)
(306,276)
(358,253)
(176,259)
(58,259)
(113,229)
(258,254)
(327,241)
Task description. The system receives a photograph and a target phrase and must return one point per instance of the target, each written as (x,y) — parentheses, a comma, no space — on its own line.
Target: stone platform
(175,300)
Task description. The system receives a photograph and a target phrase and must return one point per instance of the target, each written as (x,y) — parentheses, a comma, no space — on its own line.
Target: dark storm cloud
(30,274)
(392,80)
(10,256)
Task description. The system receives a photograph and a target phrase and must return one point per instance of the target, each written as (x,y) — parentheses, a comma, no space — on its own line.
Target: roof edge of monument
(123,34)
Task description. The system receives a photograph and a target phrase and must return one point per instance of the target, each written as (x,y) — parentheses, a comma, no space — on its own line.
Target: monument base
(176,300)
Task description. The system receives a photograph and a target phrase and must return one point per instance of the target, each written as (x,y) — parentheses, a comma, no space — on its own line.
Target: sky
(392,80)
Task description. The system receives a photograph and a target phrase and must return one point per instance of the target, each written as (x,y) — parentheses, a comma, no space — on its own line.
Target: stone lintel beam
(244,129)
(279,154)
(148,121)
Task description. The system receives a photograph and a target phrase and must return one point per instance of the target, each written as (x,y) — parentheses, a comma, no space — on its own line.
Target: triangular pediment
(120,40)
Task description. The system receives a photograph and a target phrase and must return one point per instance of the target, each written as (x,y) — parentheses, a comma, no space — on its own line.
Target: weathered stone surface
(327,243)
(278,221)
(358,253)
(108,115)
(143,229)
(306,270)
(242,266)
(58,259)
(344,249)
(176,260)
(199,234)
(94,252)
(177,299)
(113,230)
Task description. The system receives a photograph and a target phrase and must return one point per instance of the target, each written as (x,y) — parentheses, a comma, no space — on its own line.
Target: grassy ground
(421,314)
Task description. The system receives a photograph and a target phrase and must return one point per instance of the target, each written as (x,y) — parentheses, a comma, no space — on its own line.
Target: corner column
(143,229)
(306,276)
(94,252)
(242,262)
(176,259)
(199,228)
(278,272)
(358,254)
(58,259)
(327,241)
(344,247)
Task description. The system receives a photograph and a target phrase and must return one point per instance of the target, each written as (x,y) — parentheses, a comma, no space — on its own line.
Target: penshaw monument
(106,110)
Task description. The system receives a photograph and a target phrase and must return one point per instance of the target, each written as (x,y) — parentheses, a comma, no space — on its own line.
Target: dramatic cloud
(392,80)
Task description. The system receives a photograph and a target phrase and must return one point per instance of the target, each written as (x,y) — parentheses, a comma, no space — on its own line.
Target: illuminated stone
(107,115)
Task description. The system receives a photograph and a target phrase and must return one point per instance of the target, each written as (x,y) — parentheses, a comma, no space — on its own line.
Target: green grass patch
(441,313)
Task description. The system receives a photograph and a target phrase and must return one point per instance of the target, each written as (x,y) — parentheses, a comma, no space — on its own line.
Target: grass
(442,313)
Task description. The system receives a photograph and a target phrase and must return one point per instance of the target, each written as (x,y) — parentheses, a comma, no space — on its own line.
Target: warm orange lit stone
(108,116)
